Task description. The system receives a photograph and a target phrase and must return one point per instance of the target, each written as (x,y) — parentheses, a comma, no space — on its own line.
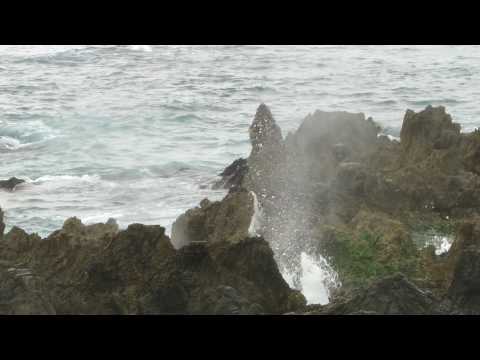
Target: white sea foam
(146,48)
(9,143)
(100,218)
(442,243)
(66,178)
(17,135)
(390,137)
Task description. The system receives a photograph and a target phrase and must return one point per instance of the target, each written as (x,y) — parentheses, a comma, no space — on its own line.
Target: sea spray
(256,221)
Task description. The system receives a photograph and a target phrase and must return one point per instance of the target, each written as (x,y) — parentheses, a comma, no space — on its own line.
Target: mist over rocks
(363,200)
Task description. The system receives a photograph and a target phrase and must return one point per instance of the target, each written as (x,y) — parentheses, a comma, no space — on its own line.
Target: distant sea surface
(137,132)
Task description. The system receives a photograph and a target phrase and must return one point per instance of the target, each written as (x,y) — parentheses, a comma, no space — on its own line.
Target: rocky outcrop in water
(10,184)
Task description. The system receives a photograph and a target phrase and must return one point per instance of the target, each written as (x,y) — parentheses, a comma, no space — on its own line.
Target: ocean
(139,132)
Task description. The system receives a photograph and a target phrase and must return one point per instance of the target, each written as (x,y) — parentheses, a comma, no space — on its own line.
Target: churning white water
(316,279)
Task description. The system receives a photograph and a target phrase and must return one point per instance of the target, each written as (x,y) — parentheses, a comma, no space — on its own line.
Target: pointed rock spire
(264,131)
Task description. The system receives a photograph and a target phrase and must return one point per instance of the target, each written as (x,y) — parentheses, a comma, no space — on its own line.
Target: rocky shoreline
(371,205)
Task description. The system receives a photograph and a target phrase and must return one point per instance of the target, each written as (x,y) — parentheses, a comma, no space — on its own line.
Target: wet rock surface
(393,295)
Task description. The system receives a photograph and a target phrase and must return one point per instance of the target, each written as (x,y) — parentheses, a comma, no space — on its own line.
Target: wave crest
(145,48)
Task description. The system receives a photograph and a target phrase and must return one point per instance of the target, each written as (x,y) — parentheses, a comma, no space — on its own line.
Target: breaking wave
(145,48)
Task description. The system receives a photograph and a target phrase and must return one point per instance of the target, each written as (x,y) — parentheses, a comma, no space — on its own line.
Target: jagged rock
(334,185)
(233,175)
(11,183)
(97,269)
(429,129)
(337,167)
(267,156)
(264,131)
(226,220)
(393,295)
(74,230)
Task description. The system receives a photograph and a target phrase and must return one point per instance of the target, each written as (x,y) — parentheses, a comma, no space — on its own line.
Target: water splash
(315,278)
(256,221)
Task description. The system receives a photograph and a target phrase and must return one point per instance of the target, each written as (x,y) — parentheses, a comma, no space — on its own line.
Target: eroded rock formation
(97,269)
(363,199)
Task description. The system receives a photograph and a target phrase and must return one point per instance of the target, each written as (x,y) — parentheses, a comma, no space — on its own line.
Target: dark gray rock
(11,183)
(233,175)
(394,295)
